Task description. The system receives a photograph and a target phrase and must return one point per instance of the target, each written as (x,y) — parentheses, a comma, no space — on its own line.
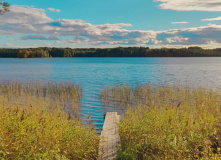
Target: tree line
(44,52)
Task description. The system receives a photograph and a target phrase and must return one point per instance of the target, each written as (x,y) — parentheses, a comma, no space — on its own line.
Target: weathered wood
(110,139)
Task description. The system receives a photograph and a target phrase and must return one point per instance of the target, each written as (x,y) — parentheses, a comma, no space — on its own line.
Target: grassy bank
(40,121)
(166,122)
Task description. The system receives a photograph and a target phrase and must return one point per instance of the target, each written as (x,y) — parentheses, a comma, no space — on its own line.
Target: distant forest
(45,52)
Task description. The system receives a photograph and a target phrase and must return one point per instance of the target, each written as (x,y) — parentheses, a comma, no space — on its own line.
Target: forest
(45,52)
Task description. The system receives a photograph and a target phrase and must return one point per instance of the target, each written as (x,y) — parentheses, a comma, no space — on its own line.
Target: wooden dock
(110,139)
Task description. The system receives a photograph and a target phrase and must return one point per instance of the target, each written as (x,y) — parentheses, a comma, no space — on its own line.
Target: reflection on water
(94,73)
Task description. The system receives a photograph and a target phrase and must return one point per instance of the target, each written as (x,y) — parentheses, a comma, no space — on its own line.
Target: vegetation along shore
(45,52)
(166,122)
(39,121)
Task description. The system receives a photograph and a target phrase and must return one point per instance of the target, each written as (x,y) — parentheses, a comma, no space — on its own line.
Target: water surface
(94,73)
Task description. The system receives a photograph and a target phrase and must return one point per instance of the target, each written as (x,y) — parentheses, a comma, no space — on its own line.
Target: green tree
(4,6)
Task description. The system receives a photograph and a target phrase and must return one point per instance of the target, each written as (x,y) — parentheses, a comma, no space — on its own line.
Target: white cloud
(182,22)
(76,40)
(212,19)
(9,38)
(9,45)
(176,39)
(54,10)
(34,25)
(39,37)
(191,5)
(25,15)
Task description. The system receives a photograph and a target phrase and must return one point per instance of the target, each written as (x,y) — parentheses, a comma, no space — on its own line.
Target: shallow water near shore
(92,74)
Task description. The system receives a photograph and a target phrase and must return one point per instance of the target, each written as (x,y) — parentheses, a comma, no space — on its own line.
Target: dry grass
(39,121)
(167,122)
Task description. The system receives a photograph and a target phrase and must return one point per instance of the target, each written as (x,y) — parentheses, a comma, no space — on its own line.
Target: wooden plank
(110,139)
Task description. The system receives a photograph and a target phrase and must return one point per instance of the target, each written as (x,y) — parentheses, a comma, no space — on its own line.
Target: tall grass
(117,98)
(167,122)
(65,96)
(40,121)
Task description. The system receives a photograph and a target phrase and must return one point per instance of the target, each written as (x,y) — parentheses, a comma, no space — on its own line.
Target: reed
(65,96)
(167,122)
(40,121)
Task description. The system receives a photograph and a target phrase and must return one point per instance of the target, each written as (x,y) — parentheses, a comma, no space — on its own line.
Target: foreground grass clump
(168,123)
(36,125)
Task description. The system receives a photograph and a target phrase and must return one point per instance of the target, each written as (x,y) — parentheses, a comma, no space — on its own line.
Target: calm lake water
(94,73)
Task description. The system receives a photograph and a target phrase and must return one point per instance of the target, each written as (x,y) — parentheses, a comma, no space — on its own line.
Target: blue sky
(111,23)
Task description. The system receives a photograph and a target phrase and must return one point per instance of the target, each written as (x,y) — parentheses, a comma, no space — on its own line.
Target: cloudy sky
(111,23)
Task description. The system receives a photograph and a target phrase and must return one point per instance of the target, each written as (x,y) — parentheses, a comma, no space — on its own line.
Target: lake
(94,73)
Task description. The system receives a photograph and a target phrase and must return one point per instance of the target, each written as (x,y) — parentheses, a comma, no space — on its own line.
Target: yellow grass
(168,122)
(40,121)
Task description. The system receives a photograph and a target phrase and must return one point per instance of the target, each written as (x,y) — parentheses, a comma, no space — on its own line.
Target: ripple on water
(94,73)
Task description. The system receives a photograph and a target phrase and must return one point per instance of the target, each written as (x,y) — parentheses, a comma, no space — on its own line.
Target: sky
(111,23)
